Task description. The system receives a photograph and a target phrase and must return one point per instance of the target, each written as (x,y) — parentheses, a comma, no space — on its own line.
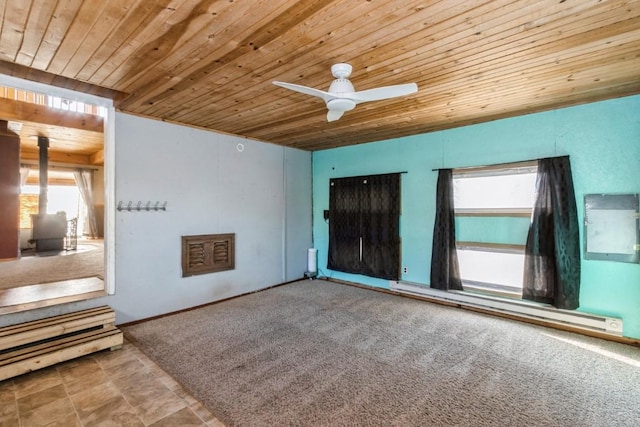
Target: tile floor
(109,388)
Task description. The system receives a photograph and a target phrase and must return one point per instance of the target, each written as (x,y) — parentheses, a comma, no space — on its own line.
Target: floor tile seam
(133,408)
(186,405)
(153,367)
(66,390)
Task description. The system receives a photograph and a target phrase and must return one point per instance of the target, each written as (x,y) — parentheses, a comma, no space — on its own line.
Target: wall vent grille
(207,253)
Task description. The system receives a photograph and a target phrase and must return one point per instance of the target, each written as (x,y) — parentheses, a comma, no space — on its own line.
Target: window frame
(506,169)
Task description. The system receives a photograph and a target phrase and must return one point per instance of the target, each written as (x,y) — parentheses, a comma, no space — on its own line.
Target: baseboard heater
(585,321)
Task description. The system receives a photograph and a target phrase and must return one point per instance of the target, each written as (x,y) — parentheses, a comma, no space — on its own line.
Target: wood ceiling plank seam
(149,57)
(362,126)
(111,71)
(190,63)
(375,117)
(577,33)
(467,101)
(506,67)
(243,46)
(148,91)
(512,59)
(146,111)
(470,47)
(12,34)
(97,34)
(252,71)
(87,16)
(483,117)
(479,54)
(349,139)
(34,31)
(472,112)
(598,75)
(520,98)
(207,124)
(454,33)
(473,102)
(523,67)
(319,71)
(299,126)
(267,87)
(62,17)
(120,41)
(617,67)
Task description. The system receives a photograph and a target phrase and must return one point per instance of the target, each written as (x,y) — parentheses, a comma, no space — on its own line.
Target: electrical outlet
(404,270)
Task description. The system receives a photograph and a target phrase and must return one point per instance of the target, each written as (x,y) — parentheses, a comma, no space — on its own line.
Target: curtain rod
(370,174)
(501,164)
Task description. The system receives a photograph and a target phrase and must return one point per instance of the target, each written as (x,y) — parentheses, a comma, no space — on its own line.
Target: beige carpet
(85,262)
(316,353)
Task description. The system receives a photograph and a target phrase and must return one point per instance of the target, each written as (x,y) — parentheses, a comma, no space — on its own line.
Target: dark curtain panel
(344,224)
(552,253)
(445,272)
(364,225)
(381,227)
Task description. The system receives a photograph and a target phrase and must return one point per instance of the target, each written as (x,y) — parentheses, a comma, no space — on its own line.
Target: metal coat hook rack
(139,207)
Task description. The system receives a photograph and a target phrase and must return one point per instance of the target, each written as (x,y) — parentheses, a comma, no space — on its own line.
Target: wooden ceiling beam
(28,153)
(26,112)
(97,158)
(23,72)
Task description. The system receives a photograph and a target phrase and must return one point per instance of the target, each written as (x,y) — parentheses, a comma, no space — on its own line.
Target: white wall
(212,183)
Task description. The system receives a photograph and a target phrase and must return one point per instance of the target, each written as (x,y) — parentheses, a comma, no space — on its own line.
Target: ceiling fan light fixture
(341,104)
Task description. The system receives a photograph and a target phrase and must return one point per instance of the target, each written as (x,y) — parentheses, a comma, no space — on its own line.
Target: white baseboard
(608,325)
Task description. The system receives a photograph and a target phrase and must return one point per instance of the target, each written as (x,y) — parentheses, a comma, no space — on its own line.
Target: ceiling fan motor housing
(341,87)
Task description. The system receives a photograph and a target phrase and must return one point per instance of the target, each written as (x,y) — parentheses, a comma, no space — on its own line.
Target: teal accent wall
(602,139)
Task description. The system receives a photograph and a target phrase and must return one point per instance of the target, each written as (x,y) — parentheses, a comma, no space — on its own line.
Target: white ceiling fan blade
(333,115)
(384,92)
(326,96)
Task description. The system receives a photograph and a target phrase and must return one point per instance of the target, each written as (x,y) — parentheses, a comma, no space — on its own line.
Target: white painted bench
(33,345)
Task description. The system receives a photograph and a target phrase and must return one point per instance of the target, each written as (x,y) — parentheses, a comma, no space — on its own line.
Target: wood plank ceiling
(210,63)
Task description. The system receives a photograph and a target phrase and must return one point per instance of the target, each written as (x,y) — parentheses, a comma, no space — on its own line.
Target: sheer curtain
(445,272)
(24,174)
(84,181)
(552,253)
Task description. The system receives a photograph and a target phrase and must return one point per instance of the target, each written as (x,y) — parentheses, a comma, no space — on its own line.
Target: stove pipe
(43,145)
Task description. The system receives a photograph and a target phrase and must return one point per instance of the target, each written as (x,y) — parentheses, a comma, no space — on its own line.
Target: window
(493,209)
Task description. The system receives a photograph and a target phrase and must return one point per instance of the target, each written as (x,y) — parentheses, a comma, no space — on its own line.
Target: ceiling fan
(342,97)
